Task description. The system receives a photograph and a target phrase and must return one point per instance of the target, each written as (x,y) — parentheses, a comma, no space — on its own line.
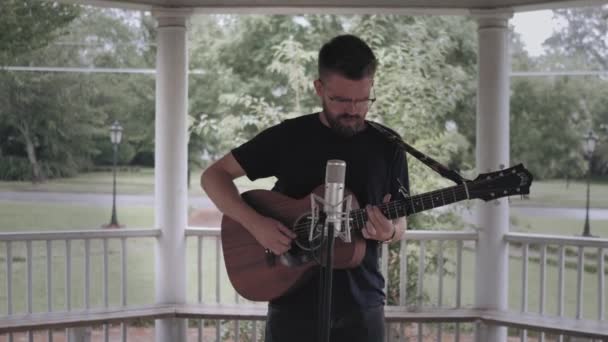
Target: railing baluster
(255,331)
(419,292)
(384,266)
(9,278)
(579,283)
(560,286)
(459,248)
(402,282)
(421,257)
(543,279)
(199,267)
(87,273)
(218,255)
(123,292)
(68,281)
(49,275)
(28,249)
(524,286)
(123,271)
(124,331)
(68,276)
(49,284)
(237,331)
(601,283)
(105,274)
(106,327)
(440,286)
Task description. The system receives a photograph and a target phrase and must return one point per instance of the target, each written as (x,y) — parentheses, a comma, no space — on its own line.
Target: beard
(344,124)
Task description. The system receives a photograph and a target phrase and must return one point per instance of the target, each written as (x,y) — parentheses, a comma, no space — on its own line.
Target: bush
(15,169)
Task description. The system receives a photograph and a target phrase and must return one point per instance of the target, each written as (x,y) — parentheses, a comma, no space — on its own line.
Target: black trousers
(356,326)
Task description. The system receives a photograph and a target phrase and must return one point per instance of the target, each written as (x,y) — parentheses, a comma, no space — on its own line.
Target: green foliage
(57,120)
(15,169)
(27,25)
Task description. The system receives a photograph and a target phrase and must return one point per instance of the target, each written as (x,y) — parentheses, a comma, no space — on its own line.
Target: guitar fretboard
(411,205)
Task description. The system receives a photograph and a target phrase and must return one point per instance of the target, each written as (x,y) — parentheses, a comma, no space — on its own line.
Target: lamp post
(115,137)
(589,142)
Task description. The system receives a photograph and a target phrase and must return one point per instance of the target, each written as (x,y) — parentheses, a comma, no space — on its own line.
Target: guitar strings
(395,205)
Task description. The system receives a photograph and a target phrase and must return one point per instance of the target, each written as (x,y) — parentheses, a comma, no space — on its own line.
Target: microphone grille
(335,171)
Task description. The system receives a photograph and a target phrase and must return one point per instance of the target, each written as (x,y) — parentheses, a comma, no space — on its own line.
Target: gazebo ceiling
(341,6)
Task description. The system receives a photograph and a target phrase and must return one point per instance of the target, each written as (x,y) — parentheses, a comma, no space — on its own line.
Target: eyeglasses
(346,103)
(343,102)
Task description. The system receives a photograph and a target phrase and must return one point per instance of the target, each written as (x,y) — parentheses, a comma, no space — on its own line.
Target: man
(296,152)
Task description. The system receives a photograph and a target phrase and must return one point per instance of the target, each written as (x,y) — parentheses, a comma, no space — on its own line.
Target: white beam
(492,153)
(171,192)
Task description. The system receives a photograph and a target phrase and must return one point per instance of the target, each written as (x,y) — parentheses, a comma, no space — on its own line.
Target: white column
(492,153)
(171,193)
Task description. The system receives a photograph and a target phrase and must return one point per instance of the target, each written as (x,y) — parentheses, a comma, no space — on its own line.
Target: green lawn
(127,182)
(558,226)
(555,193)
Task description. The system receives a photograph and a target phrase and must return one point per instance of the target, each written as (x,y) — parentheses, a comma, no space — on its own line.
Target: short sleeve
(260,157)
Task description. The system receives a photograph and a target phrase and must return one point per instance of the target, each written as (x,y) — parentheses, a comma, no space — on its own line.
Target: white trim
(92,70)
(542,239)
(559,73)
(80,234)
(221,8)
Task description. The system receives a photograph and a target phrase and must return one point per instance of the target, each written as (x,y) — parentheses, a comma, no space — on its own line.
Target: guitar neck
(415,204)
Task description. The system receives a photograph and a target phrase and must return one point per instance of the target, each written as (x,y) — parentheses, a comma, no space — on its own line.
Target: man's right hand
(271,234)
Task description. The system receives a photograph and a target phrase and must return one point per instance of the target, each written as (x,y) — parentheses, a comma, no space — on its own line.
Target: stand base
(113,226)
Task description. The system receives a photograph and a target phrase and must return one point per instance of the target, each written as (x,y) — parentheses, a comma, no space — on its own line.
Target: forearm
(400,227)
(220,188)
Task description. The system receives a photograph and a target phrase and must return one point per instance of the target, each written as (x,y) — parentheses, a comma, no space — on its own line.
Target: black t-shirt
(296,153)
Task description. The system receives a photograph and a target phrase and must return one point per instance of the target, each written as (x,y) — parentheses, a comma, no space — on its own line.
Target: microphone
(334,192)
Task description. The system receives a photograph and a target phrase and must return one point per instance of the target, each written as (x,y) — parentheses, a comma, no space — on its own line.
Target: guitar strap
(436,166)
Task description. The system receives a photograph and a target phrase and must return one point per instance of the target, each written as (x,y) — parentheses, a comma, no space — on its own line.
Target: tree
(58,121)
(581,43)
(584,34)
(28,25)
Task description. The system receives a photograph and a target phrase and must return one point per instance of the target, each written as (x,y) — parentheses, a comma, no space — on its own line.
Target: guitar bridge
(271,259)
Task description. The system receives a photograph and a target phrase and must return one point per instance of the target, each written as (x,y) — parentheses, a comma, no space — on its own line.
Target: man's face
(345,102)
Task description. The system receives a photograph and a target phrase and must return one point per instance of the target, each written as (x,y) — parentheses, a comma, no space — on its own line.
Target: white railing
(414,247)
(440,304)
(11,243)
(556,250)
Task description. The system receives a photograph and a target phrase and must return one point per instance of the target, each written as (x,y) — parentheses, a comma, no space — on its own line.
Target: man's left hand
(378,227)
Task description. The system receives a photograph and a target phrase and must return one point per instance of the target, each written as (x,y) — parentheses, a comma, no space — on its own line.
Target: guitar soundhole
(302,227)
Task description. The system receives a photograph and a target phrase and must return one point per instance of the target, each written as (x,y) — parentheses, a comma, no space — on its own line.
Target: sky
(534,28)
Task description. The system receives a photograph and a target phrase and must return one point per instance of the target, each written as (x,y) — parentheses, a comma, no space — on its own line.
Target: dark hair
(348,56)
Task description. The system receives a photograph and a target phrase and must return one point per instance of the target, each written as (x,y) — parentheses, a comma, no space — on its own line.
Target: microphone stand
(325,282)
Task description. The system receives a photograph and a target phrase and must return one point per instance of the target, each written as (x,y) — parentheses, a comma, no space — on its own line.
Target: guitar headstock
(515,180)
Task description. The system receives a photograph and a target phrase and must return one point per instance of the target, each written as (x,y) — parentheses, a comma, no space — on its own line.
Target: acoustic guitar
(261,276)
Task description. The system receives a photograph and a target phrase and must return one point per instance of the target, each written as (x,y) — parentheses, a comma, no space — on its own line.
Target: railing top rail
(556,240)
(203,231)
(79,234)
(410,234)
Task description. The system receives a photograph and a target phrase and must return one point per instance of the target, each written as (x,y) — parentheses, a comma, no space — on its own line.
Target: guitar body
(260,276)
